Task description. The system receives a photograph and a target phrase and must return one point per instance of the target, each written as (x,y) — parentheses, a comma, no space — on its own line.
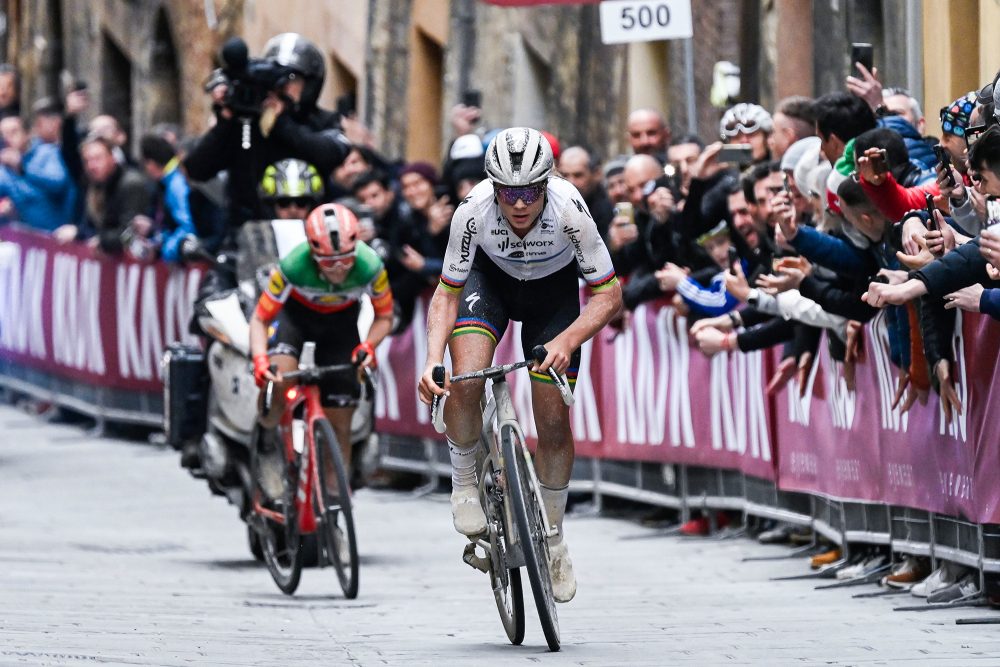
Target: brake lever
(269,390)
(437,418)
(562,384)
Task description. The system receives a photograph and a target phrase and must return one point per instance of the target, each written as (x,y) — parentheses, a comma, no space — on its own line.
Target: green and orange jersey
(298,277)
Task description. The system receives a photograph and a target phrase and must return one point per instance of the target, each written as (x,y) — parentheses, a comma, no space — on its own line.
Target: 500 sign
(645,20)
(645,16)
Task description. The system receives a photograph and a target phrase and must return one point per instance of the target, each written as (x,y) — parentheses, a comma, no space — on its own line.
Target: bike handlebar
(538,353)
(310,376)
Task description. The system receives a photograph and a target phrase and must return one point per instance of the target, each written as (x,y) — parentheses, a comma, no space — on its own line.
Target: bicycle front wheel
(334,512)
(505,581)
(279,536)
(531,533)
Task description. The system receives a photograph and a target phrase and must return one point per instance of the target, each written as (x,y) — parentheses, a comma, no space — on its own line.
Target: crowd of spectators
(791,228)
(769,235)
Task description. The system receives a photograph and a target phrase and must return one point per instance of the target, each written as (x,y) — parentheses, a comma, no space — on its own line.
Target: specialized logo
(471,300)
(581,207)
(466,249)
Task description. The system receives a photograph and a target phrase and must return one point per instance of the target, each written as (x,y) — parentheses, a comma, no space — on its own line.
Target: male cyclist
(313,296)
(511,256)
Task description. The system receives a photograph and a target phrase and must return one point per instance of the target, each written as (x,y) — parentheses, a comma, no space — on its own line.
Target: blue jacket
(989,303)
(921,154)
(832,252)
(175,200)
(43,192)
(844,258)
(712,300)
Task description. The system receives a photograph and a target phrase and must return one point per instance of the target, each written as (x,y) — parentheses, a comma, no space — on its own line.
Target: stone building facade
(144,61)
(408,61)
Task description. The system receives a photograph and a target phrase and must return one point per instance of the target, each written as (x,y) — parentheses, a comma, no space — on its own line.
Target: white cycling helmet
(744,119)
(519,156)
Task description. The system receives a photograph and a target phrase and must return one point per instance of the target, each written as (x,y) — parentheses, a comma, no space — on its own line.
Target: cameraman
(287,124)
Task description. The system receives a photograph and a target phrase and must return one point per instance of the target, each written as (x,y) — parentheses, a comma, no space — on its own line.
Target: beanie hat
(424,169)
(955,116)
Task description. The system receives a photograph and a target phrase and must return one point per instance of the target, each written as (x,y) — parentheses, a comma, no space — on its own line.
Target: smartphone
(932,221)
(625,209)
(733,258)
(862,52)
(785,186)
(992,212)
(472,98)
(945,159)
(736,153)
(879,163)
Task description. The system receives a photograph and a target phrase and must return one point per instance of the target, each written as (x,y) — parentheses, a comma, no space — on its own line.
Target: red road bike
(314,500)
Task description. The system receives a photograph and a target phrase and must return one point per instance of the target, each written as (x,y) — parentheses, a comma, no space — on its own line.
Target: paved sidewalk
(111,554)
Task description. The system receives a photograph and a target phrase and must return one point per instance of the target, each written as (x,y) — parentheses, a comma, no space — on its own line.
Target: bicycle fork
(506,417)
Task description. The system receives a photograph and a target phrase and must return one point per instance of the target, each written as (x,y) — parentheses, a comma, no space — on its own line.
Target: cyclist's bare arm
(602,307)
(267,309)
(441,316)
(381,296)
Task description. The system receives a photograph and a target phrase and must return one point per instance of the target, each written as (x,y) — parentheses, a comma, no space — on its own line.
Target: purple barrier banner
(643,394)
(84,316)
(854,445)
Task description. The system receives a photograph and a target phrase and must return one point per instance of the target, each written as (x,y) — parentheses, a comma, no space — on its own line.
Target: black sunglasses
(288,202)
(972,133)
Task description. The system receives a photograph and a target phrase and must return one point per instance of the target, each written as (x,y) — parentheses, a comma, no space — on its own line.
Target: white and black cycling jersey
(564,232)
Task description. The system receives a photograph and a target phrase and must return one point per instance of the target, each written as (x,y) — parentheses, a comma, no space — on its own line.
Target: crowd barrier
(87,331)
(654,420)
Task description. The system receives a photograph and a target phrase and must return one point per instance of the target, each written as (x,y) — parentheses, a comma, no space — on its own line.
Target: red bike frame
(308,482)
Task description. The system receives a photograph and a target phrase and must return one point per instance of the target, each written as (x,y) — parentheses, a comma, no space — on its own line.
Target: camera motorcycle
(210,394)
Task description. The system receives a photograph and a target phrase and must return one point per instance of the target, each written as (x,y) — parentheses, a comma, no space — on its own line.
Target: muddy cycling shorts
(545,307)
(335,335)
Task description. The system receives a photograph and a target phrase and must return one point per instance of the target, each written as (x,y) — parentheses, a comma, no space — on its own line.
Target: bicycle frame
(308,479)
(497,413)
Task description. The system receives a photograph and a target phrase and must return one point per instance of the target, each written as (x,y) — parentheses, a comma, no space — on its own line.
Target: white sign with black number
(625,21)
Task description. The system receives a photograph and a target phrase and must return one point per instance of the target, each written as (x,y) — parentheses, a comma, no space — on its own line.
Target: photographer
(266,112)
(657,242)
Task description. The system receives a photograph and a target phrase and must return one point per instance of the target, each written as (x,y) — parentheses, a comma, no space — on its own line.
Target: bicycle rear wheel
(505,581)
(280,541)
(530,533)
(334,513)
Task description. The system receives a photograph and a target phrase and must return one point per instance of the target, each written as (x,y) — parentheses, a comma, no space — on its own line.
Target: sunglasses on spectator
(529,194)
(297,202)
(335,261)
(972,133)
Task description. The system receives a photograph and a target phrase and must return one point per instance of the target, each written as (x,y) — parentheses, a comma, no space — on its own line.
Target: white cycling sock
(463,464)
(554,500)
